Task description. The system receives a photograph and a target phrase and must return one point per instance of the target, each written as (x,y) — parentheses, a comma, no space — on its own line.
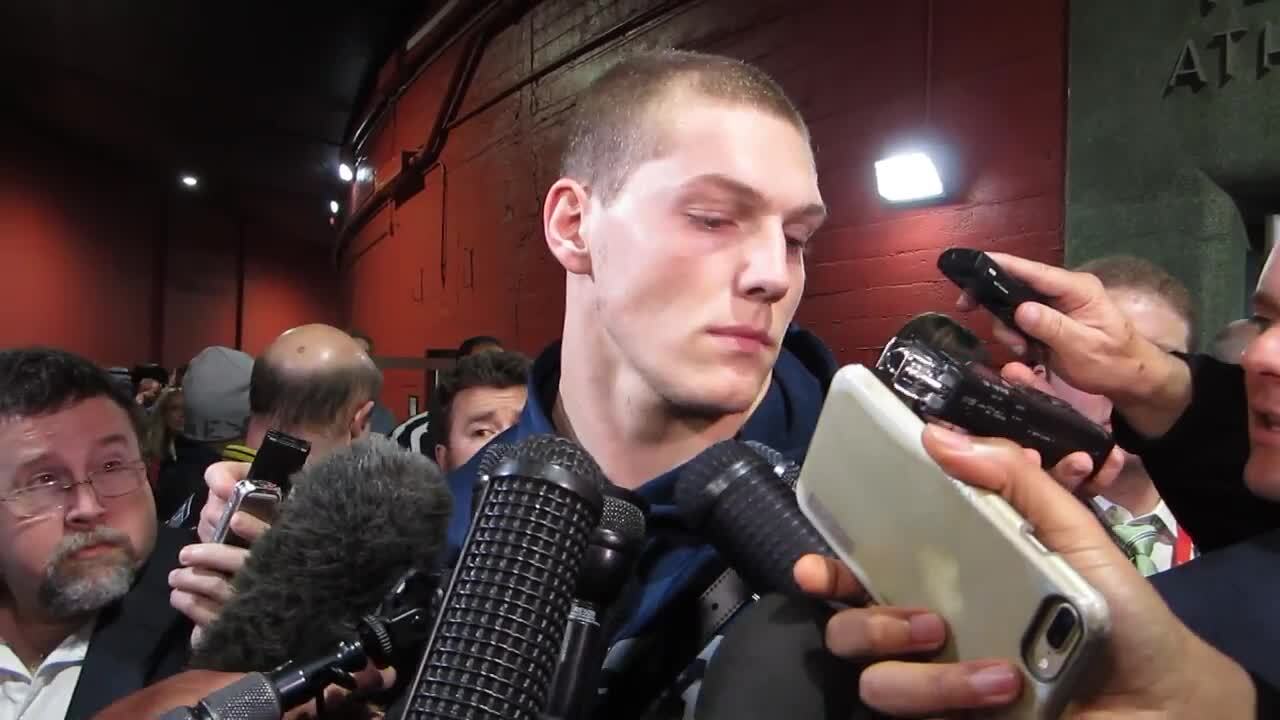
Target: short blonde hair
(612,130)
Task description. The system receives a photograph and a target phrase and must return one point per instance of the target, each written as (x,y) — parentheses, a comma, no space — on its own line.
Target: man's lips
(745,334)
(91,551)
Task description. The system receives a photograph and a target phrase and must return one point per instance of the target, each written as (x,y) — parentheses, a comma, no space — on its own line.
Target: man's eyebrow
(749,195)
(486,415)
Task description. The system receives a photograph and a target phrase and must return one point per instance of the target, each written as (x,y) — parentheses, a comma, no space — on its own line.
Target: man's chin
(80,588)
(1262,473)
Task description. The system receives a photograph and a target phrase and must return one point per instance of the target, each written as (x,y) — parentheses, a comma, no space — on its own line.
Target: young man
(479,399)
(1160,309)
(417,433)
(84,614)
(687,196)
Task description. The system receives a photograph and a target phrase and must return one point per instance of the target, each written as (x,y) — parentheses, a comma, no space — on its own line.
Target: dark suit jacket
(1228,597)
(140,639)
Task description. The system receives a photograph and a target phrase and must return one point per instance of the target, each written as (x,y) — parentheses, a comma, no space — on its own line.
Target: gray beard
(65,593)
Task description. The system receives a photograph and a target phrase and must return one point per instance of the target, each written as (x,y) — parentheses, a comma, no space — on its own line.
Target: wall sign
(1224,51)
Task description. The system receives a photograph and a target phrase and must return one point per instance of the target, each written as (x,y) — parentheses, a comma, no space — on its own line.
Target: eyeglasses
(113,480)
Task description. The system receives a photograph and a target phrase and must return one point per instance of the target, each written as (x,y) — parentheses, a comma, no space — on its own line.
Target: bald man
(314,382)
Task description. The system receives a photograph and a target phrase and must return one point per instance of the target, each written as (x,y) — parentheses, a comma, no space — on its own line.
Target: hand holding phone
(914,537)
(1148,663)
(260,494)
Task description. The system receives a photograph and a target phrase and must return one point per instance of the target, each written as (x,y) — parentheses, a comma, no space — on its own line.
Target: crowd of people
(687,199)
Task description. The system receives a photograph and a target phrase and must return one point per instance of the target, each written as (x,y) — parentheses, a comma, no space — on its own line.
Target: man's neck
(634,438)
(320,443)
(1134,491)
(31,636)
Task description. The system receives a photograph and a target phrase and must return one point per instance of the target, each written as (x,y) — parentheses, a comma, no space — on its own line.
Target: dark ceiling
(253,97)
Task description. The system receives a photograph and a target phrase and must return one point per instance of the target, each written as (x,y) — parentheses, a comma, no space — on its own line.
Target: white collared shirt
(46,695)
(1160,518)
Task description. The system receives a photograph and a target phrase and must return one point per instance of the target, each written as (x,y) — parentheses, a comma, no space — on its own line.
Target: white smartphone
(915,537)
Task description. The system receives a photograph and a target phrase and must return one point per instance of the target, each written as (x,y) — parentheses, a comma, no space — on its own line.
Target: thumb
(1061,522)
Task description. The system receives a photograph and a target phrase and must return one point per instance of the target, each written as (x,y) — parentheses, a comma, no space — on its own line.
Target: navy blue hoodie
(675,566)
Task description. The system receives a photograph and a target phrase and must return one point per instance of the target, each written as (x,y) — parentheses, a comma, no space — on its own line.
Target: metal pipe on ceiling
(409,180)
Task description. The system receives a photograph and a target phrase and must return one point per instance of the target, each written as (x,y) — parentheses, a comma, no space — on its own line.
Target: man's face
(1261,362)
(79,558)
(1155,320)
(698,263)
(477,415)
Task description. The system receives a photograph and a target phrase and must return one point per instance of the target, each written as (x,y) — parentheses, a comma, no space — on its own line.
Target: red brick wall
(415,278)
(124,270)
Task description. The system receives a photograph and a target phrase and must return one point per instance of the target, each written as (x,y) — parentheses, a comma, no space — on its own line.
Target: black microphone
(730,495)
(611,554)
(267,696)
(494,453)
(773,663)
(357,521)
(494,647)
(786,469)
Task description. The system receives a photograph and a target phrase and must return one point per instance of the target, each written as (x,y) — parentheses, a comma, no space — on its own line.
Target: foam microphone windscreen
(786,469)
(501,625)
(773,663)
(356,521)
(731,496)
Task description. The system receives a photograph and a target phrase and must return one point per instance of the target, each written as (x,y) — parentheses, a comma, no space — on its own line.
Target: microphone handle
(574,685)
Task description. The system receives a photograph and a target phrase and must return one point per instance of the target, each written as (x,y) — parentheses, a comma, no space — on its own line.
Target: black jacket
(139,640)
(1227,595)
(183,478)
(1198,466)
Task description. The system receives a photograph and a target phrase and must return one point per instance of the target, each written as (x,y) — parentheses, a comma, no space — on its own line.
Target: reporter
(1153,663)
(1200,426)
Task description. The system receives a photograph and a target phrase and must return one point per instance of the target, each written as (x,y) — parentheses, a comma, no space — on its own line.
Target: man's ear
(562,222)
(360,421)
(442,458)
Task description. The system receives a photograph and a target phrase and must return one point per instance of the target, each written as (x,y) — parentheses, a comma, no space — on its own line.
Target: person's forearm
(1160,395)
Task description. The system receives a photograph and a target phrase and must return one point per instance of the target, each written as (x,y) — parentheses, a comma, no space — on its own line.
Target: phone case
(261,500)
(915,537)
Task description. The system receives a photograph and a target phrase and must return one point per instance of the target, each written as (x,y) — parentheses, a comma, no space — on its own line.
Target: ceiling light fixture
(345,173)
(334,207)
(190,180)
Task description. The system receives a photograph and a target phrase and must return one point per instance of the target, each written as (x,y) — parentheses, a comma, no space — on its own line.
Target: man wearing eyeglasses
(84,611)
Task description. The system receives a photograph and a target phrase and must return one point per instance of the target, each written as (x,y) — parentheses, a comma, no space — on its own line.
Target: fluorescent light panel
(908,177)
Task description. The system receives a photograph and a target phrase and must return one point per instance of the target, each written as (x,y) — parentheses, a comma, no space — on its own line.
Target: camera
(971,396)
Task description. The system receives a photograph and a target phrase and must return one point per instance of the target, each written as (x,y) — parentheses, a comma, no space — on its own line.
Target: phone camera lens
(1061,627)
